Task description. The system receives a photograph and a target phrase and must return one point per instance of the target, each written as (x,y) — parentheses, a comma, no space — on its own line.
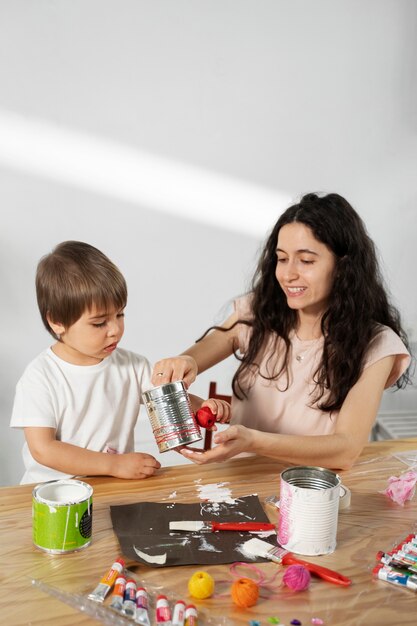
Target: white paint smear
(159,559)
(216,492)
(205,546)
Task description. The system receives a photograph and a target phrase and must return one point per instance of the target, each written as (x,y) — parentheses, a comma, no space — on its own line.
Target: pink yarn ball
(296,577)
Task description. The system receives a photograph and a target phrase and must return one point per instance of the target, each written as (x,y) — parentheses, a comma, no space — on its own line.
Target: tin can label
(62,512)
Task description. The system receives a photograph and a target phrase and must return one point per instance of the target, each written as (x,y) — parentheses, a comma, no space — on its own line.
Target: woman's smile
(305,268)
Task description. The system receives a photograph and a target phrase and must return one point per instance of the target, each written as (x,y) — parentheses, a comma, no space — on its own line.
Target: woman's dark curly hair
(357,307)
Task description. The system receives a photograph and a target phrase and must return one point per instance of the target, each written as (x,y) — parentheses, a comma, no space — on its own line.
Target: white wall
(247,102)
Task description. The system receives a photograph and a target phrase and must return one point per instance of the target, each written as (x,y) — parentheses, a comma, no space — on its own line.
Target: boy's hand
(70,459)
(134,465)
(182,367)
(220,408)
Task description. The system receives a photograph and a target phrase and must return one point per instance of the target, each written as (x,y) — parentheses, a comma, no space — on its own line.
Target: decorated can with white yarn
(172,419)
(62,514)
(309,505)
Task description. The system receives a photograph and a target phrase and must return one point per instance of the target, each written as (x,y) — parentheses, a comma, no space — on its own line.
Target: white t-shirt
(90,406)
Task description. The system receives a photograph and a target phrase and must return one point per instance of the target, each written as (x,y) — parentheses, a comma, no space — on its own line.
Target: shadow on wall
(112,169)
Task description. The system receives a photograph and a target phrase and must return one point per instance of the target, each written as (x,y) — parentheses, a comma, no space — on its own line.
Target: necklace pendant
(299,357)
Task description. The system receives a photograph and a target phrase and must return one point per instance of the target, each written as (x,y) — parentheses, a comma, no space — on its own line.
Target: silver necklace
(300,356)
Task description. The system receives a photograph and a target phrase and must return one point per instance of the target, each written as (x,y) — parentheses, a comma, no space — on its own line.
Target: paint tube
(191,615)
(389,575)
(163,612)
(142,607)
(107,582)
(118,593)
(178,614)
(129,601)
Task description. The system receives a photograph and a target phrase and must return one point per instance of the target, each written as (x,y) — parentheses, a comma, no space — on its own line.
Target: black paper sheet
(145,526)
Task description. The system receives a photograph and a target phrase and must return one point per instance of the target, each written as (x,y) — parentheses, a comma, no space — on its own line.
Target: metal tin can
(309,506)
(172,420)
(62,513)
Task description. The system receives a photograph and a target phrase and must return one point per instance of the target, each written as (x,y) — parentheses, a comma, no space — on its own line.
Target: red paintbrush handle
(323,572)
(242,526)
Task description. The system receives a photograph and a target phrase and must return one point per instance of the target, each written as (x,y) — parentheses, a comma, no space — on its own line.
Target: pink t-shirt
(287,411)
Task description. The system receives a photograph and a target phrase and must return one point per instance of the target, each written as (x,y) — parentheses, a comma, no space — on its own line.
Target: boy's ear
(57,328)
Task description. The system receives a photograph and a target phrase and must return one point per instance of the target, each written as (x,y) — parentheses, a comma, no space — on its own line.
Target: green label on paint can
(62,512)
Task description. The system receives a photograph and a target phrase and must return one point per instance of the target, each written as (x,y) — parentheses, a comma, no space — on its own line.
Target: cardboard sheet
(143,530)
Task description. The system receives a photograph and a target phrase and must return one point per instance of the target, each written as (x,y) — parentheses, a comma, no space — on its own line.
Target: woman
(317,339)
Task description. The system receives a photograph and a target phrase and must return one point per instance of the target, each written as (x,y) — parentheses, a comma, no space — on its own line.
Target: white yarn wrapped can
(309,505)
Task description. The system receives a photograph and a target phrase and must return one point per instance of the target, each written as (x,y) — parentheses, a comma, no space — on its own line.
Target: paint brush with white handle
(257,547)
(208,526)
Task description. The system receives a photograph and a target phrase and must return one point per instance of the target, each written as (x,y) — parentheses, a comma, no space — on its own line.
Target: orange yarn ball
(245,592)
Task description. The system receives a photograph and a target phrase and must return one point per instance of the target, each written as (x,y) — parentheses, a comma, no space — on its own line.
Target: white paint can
(62,512)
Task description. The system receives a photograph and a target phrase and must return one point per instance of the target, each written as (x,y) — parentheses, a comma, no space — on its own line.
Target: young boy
(78,401)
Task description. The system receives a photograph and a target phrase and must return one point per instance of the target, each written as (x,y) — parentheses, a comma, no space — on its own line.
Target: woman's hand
(229,443)
(182,367)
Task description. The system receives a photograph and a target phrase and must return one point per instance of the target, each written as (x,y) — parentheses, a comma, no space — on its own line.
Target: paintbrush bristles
(257,547)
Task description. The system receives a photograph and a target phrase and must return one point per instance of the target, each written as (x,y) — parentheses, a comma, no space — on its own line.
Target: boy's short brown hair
(72,279)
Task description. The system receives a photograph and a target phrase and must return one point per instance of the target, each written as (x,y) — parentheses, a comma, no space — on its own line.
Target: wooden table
(372,523)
